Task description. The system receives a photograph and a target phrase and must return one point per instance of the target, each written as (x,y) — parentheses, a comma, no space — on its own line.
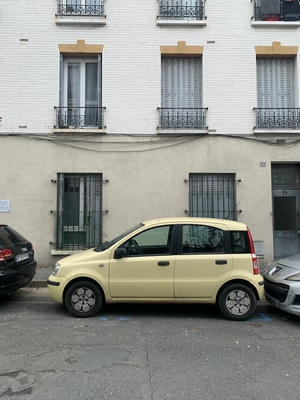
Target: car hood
(285,267)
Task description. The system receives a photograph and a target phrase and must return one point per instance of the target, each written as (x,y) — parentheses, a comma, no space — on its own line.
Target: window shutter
(181,82)
(99,78)
(60,198)
(275,83)
(61,80)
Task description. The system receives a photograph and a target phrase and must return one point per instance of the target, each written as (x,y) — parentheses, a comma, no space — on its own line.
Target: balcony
(80,8)
(276,10)
(181,10)
(79,117)
(182,118)
(277,118)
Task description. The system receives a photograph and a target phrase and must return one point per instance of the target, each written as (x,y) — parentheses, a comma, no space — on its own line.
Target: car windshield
(107,245)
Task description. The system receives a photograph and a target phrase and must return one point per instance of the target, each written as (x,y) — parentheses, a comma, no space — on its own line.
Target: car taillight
(5,253)
(255,262)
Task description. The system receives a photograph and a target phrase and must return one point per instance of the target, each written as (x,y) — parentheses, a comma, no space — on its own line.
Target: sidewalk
(41,276)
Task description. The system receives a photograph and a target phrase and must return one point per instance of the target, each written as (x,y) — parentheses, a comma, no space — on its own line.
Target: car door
(202,262)
(147,268)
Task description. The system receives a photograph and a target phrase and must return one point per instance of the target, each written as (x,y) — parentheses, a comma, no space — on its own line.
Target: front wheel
(83,299)
(237,302)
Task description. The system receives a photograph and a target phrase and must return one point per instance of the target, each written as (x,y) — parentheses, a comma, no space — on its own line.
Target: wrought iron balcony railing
(182,118)
(80,8)
(79,117)
(181,9)
(275,118)
(276,10)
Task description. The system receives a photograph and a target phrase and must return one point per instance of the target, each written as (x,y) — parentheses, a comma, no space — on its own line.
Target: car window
(153,241)
(9,235)
(240,242)
(115,240)
(202,239)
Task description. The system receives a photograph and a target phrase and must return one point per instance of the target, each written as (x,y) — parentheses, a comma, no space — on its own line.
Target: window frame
(211,186)
(65,60)
(87,211)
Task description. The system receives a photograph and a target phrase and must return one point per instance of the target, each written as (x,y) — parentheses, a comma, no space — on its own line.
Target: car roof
(222,223)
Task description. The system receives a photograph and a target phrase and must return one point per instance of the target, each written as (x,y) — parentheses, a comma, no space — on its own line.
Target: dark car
(17,264)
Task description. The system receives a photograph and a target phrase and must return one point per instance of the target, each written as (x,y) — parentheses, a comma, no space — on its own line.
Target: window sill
(182,22)
(80,130)
(275,131)
(187,132)
(80,20)
(277,24)
(64,252)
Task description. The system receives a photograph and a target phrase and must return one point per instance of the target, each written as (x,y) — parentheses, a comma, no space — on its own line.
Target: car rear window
(240,242)
(8,234)
(202,239)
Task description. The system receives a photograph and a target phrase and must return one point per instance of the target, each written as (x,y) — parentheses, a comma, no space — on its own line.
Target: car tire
(83,299)
(237,302)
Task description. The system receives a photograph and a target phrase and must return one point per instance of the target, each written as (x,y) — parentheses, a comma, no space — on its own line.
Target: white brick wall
(131,63)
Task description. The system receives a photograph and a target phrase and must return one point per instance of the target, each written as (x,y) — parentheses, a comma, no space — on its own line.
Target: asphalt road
(142,352)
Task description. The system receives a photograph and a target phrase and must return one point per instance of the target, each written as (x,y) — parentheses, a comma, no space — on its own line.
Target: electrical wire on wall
(142,143)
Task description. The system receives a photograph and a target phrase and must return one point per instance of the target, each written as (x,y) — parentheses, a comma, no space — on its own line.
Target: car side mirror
(120,253)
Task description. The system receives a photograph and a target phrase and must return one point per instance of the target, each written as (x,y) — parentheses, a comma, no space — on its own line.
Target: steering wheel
(133,247)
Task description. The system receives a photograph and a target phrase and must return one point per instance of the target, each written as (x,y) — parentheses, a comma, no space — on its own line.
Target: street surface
(144,352)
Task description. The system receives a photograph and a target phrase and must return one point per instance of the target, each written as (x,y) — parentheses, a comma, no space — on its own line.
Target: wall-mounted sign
(4,206)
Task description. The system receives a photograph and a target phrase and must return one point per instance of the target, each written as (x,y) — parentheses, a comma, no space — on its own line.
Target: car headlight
(56,269)
(295,277)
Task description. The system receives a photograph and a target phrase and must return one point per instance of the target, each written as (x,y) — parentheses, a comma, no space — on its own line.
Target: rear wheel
(83,299)
(237,302)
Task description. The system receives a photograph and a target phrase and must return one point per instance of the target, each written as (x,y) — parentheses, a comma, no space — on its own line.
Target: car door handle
(221,262)
(163,263)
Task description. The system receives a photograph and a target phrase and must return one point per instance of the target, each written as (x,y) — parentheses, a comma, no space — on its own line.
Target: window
(212,195)
(202,239)
(153,241)
(80,93)
(240,242)
(79,211)
(80,7)
(276,10)
(182,93)
(182,9)
(276,105)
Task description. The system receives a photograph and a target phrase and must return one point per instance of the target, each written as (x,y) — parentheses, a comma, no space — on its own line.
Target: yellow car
(174,260)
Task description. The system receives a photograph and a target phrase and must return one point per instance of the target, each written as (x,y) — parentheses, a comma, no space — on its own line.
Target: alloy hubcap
(238,302)
(83,299)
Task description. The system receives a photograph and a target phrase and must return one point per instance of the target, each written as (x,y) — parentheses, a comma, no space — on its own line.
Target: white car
(282,284)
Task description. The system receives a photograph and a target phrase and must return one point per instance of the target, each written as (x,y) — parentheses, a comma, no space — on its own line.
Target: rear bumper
(16,277)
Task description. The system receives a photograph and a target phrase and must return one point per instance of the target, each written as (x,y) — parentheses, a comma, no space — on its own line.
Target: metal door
(286,218)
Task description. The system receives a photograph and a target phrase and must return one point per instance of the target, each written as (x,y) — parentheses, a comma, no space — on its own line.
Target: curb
(37,284)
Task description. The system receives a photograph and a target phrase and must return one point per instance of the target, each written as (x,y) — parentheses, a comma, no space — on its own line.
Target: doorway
(286,209)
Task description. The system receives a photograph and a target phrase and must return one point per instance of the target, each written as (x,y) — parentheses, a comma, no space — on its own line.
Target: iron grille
(79,117)
(212,196)
(276,10)
(181,9)
(80,8)
(278,118)
(182,118)
(79,211)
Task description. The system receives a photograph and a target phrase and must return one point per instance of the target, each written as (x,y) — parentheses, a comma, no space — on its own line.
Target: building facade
(114,112)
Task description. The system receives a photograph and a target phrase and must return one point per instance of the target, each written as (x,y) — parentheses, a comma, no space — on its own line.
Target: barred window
(212,196)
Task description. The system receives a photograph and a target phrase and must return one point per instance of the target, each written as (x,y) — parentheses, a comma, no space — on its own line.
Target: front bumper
(56,286)
(16,277)
(282,296)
